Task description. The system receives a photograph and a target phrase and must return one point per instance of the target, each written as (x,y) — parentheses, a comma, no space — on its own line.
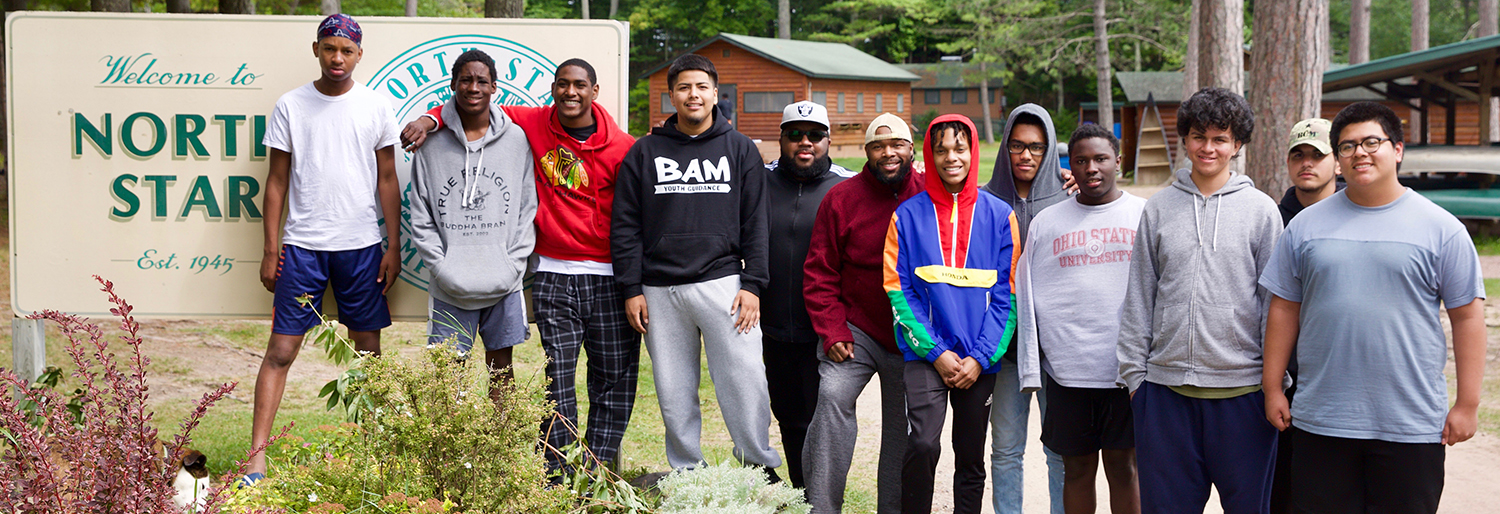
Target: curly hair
(474,55)
(1093,130)
(1360,112)
(1218,108)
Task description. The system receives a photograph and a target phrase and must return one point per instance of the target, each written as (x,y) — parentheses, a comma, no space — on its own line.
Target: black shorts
(1081,421)
(1332,475)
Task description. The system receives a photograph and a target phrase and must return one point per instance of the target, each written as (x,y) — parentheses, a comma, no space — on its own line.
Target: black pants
(792,379)
(1281,479)
(927,399)
(1333,475)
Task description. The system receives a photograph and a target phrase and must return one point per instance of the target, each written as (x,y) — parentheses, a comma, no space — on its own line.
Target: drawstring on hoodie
(1199,231)
(470,187)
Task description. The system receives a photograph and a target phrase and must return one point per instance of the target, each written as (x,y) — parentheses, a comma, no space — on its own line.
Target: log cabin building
(758,77)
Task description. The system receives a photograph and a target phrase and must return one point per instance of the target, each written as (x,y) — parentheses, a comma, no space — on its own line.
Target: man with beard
(795,185)
(843,289)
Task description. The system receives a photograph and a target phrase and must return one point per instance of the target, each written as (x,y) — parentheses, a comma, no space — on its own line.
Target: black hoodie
(792,208)
(690,209)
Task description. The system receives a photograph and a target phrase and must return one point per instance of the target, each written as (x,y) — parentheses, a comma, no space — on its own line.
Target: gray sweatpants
(830,439)
(677,317)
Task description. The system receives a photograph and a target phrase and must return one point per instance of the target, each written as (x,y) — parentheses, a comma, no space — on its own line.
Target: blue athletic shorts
(353,273)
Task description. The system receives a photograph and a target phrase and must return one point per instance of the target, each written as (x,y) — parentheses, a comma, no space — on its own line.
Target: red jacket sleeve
(821,280)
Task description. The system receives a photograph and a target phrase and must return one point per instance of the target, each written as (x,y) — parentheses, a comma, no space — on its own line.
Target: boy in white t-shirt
(333,169)
(1069,287)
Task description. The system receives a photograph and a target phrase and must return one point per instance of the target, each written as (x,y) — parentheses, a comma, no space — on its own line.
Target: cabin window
(932,97)
(820,98)
(879,102)
(900,102)
(841,102)
(859,102)
(768,101)
(666,104)
(960,96)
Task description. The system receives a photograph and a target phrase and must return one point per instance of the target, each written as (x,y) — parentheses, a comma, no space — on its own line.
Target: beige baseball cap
(1312,131)
(899,129)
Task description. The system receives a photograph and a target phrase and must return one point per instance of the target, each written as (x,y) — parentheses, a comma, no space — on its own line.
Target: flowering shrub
(101,454)
(432,440)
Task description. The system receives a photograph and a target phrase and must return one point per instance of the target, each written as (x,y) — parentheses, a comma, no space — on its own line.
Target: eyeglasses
(1037,149)
(813,136)
(1370,144)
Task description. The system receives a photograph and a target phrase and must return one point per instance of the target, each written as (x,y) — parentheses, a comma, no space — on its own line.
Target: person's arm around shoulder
(753,239)
(415,133)
(625,235)
(822,282)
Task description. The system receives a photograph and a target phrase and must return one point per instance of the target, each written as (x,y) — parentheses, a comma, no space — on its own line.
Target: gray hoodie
(473,204)
(1193,312)
(1046,187)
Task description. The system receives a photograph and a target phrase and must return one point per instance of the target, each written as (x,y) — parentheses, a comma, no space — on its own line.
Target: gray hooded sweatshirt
(1194,313)
(473,204)
(1046,187)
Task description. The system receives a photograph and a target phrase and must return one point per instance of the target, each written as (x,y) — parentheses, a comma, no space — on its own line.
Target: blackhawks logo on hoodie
(563,168)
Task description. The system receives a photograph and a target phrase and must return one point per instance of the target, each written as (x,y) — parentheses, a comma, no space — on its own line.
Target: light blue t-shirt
(1371,348)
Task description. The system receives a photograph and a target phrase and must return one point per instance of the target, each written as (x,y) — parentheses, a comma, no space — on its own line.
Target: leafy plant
(344,390)
(727,487)
(97,452)
(597,488)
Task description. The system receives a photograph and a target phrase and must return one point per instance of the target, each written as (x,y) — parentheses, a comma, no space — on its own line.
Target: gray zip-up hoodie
(1046,187)
(1193,312)
(473,204)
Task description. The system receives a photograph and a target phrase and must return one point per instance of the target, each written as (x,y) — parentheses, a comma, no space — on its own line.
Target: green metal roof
(812,58)
(949,75)
(1404,65)
(1467,203)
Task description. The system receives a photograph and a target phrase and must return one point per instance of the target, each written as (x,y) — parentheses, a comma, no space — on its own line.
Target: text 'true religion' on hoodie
(473,204)
(948,267)
(1194,313)
(690,209)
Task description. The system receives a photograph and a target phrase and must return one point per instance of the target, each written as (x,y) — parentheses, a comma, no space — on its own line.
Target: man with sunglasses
(1357,281)
(795,185)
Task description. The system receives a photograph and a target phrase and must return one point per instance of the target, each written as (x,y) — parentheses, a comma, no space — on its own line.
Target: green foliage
(727,488)
(433,441)
(893,30)
(598,489)
(661,29)
(343,391)
(1448,21)
(921,121)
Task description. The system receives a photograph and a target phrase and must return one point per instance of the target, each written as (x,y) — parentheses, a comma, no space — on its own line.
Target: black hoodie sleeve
(625,223)
(754,246)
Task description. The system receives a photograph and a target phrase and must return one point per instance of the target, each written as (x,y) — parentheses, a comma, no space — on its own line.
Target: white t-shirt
(332,204)
(1069,287)
(563,267)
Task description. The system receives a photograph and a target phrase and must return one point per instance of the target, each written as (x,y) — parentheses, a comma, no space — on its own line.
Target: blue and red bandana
(340,25)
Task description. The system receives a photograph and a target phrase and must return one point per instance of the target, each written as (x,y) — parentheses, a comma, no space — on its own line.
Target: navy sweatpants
(1185,444)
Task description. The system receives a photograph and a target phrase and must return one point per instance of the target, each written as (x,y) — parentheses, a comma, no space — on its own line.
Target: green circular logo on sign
(417,80)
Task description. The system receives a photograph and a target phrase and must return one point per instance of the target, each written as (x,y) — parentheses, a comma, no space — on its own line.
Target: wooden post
(1425,136)
(1486,85)
(28,345)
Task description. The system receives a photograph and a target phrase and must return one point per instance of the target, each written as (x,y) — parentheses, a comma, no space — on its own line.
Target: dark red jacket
(844,274)
(575,182)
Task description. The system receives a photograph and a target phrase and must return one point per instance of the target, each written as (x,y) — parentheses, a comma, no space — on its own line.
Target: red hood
(950,219)
(606,132)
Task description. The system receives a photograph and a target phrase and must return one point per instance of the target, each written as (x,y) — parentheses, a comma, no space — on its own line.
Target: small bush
(727,488)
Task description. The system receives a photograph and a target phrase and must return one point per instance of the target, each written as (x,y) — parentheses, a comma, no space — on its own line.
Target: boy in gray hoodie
(1029,178)
(473,201)
(1193,319)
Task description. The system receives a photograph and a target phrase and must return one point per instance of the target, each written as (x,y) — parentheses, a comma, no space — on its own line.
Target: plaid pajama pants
(587,312)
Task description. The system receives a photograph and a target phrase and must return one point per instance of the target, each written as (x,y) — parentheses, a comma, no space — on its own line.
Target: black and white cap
(805,111)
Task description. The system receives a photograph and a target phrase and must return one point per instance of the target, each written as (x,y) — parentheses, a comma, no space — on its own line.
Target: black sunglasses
(813,136)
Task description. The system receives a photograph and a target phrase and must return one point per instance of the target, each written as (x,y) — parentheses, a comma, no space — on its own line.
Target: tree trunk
(984,103)
(110,5)
(784,19)
(1101,68)
(504,8)
(1059,91)
(1359,31)
(1287,86)
(1190,56)
(233,6)
(1221,45)
(1419,39)
(179,6)
(614,8)
(584,4)
(1488,19)
(411,9)
(331,7)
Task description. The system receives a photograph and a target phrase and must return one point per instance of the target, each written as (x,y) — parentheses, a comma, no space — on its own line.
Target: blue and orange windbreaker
(949,267)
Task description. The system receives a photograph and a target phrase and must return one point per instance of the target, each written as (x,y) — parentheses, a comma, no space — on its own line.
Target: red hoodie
(575,181)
